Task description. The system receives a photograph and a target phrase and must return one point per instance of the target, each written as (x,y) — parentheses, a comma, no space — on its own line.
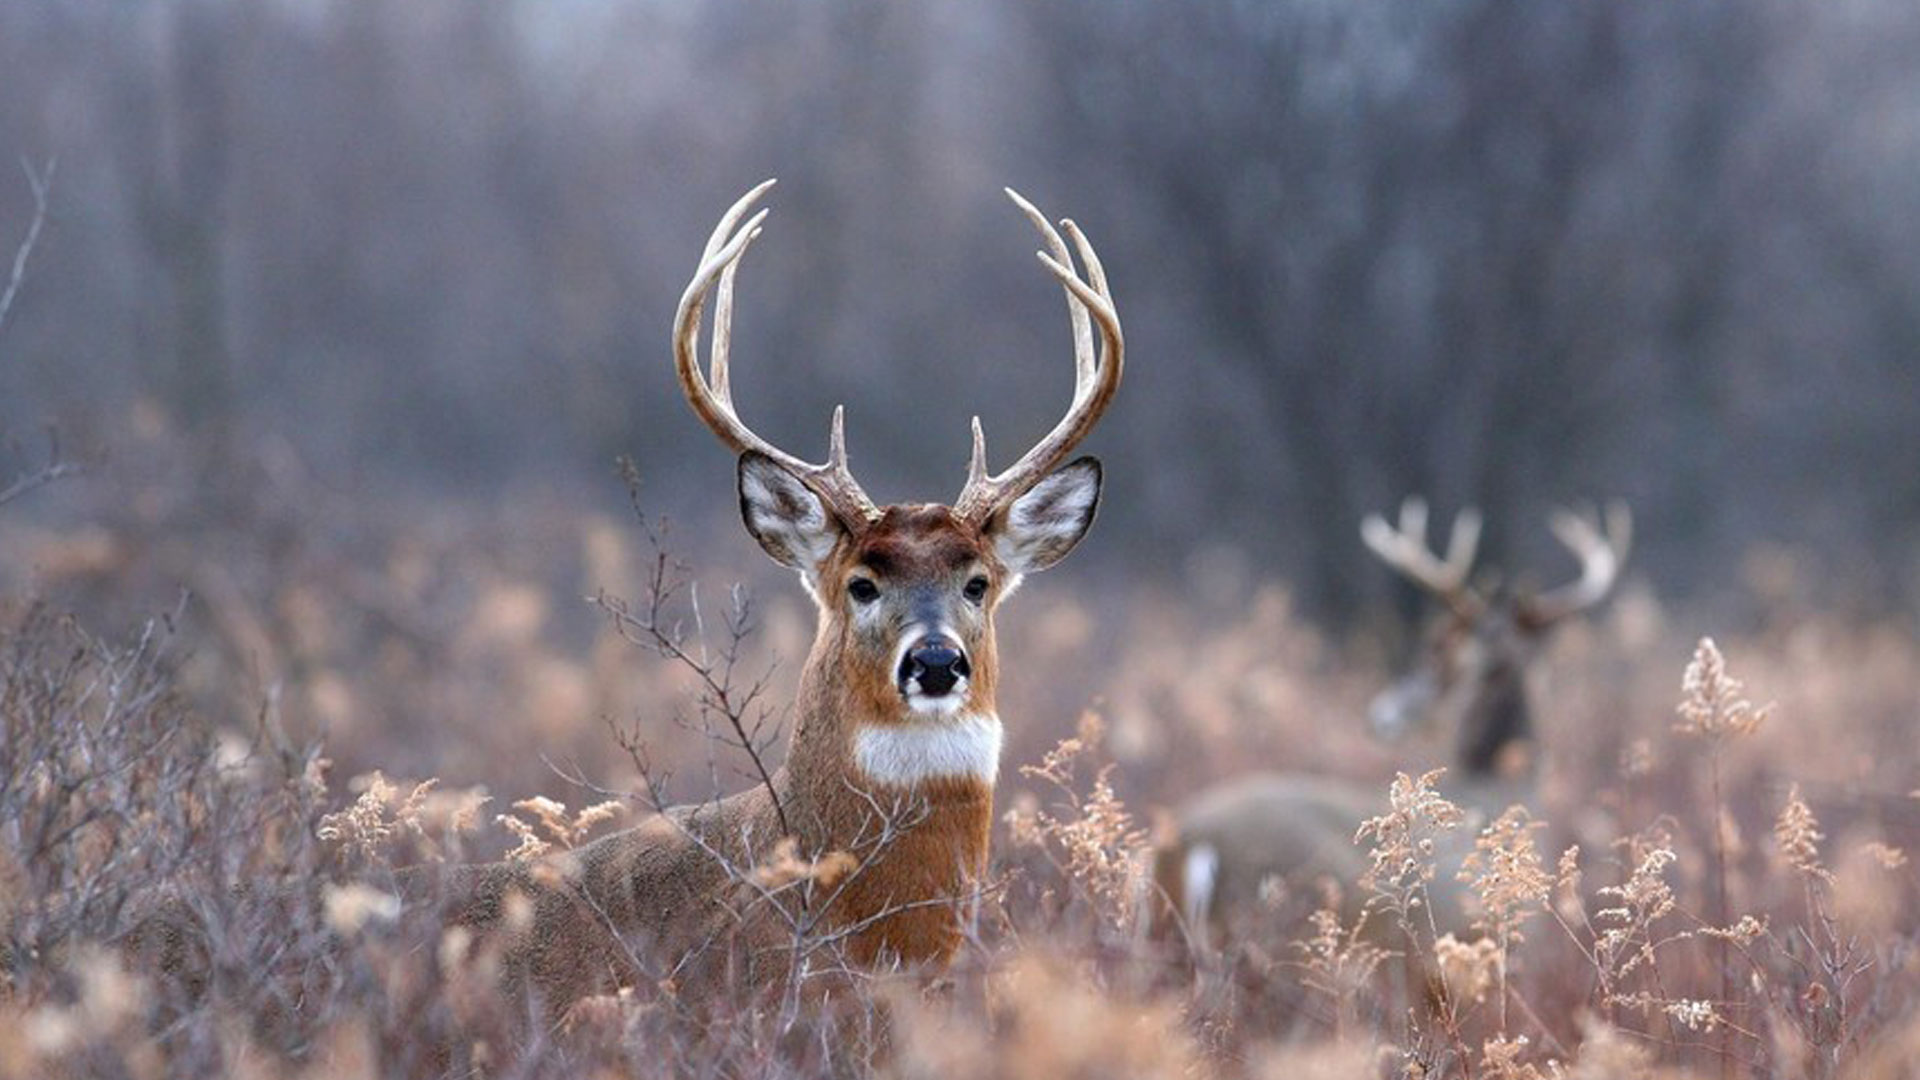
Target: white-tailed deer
(890,773)
(1294,833)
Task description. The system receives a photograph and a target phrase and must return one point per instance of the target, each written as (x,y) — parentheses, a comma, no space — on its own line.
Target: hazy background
(349,307)
(1502,252)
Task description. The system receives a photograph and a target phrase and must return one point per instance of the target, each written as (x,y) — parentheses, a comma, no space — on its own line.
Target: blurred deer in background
(883,807)
(1294,833)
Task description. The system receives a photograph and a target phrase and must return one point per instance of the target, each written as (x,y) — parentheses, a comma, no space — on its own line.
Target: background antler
(1600,553)
(1405,549)
(711,395)
(1094,379)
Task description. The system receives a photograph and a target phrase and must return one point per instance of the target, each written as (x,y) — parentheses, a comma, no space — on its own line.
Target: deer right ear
(1040,527)
(788,519)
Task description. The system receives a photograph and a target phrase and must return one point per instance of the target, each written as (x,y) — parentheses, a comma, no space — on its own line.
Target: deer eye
(863,591)
(976,590)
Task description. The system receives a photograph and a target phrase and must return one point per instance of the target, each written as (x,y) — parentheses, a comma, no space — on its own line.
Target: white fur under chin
(960,746)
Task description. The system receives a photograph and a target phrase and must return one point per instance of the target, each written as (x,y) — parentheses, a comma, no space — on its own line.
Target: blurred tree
(1491,251)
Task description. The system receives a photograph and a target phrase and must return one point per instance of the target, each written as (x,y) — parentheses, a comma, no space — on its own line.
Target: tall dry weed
(1092,837)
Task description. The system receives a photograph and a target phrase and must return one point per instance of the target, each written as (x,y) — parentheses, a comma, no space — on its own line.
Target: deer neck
(856,743)
(1498,758)
(909,796)
(1497,720)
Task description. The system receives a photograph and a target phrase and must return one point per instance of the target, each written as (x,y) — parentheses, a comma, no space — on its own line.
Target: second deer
(1237,845)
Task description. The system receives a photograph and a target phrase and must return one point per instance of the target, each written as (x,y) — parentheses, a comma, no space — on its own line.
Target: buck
(889,776)
(1293,834)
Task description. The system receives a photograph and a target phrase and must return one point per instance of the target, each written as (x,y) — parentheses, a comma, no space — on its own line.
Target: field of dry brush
(262,706)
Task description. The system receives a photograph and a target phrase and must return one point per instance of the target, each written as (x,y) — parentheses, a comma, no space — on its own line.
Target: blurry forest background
(349,309)
(1504,253)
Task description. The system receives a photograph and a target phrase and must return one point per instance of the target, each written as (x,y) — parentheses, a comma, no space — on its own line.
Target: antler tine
(1095,378)
(722,260)
(1076,311)
(724,230)
(719,374)
(720,252)
(1464,542)
(1601,546)
(977,461)
(711,393)
(837,441)
(1404,548)
(1413,522)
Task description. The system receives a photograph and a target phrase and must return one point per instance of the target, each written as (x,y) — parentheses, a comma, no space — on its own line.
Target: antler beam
(1601,547)
(1404,548)
(711,393)
(1095,378)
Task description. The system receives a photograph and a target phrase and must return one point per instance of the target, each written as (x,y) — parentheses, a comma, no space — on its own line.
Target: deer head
(1470,677)
(907,594)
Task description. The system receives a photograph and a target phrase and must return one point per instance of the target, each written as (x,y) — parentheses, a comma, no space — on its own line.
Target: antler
(712,395)
(1094,381)
(1600,554)
(1405,549)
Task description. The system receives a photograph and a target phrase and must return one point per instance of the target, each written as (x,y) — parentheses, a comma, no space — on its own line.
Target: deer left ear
(1039,528)
(789,520)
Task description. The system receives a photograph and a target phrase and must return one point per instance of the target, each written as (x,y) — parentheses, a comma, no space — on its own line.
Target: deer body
(663,899)
(1250,844)
(896,736)
(1268,845)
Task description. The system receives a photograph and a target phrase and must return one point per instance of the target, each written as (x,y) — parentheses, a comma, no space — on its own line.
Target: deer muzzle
(934,667)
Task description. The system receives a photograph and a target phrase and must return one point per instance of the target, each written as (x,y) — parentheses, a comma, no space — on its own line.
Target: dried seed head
(1798,835)
(1711,706)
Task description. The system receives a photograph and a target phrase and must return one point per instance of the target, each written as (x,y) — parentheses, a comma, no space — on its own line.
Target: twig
(1724,914)
(719,692)
(54,469)
(40,182)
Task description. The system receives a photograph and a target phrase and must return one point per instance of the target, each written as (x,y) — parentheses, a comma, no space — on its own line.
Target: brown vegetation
(1701,890)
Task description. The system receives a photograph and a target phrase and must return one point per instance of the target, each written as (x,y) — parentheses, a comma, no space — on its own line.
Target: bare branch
(52,470)
(721,694)
(40,182)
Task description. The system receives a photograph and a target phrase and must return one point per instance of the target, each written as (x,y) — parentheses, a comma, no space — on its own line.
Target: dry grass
(1732,898)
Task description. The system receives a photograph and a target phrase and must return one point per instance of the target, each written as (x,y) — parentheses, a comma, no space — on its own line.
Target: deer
(1238,847)
(895,735)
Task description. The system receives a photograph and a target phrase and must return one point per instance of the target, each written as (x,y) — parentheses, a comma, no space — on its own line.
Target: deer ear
(1040,527)
(788,519)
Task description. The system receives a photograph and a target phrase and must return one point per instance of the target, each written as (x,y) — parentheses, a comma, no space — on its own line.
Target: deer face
(904,656)
(1472,677)
(907,598)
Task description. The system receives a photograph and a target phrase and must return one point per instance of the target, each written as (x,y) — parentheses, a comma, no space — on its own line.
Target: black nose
(937,664)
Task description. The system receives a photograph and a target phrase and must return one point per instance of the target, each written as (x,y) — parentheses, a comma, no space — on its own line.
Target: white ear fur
(788,519)
(1043,525)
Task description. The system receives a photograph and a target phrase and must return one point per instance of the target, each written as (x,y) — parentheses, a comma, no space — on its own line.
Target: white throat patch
(965,746)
